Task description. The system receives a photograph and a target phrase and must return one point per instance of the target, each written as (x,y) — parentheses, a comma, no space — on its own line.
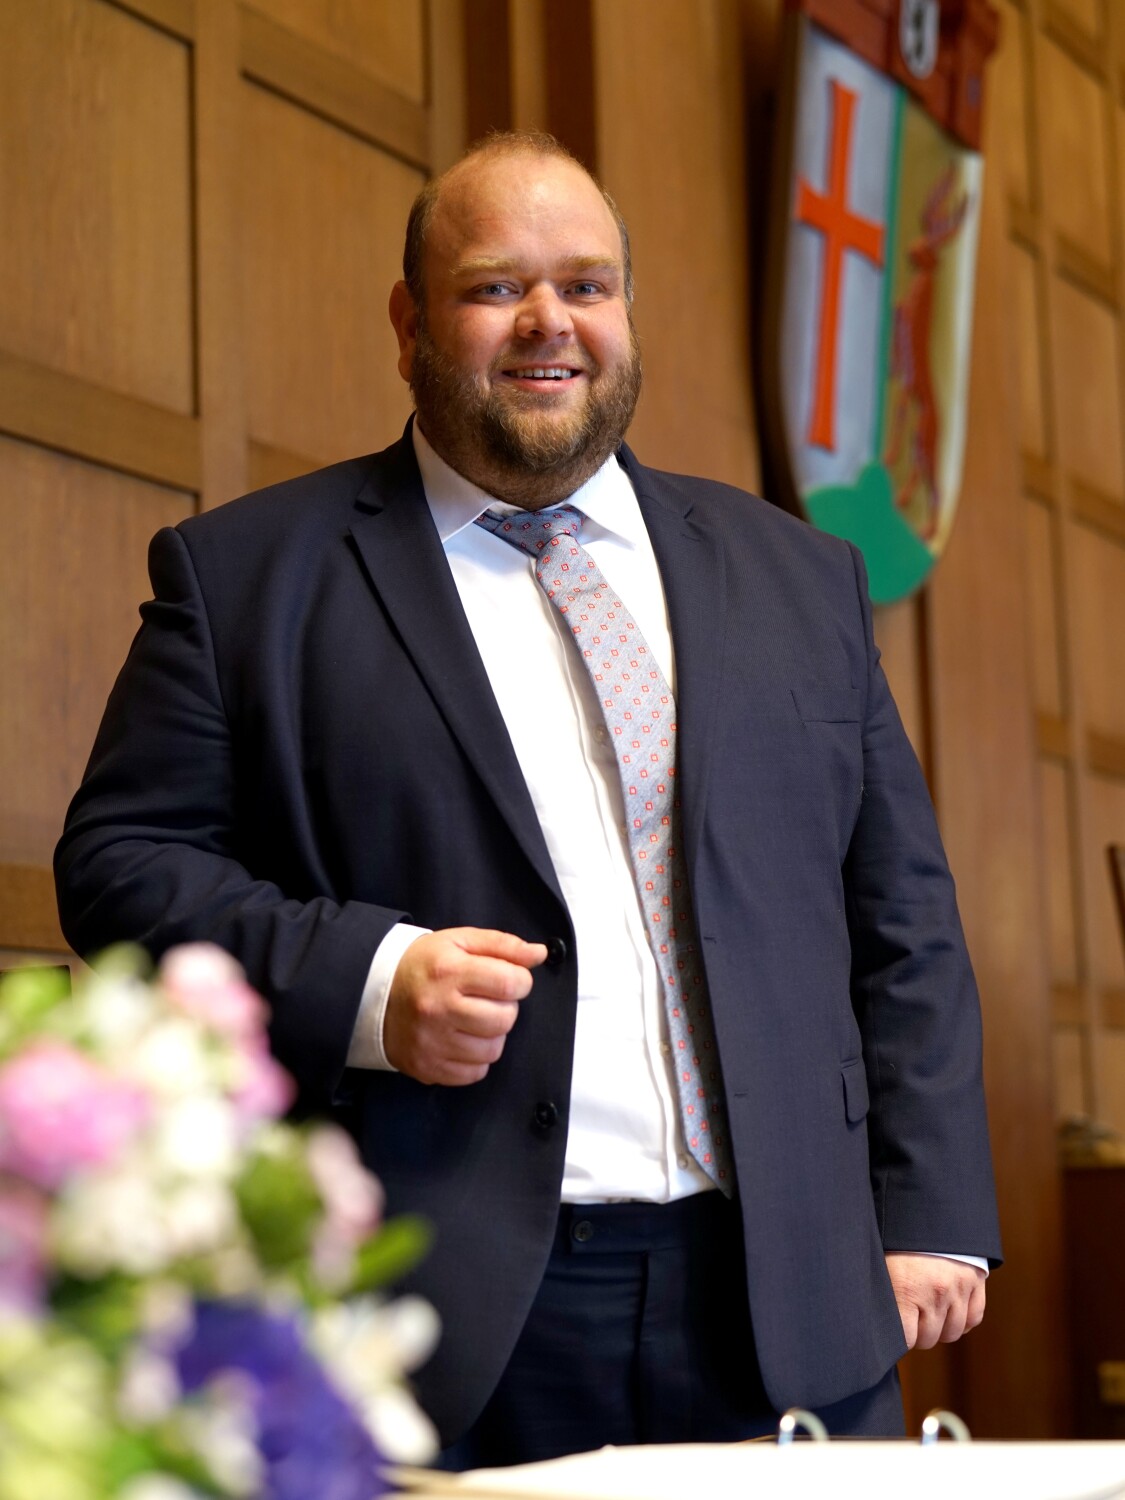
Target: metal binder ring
(936,1420)
(796,1417)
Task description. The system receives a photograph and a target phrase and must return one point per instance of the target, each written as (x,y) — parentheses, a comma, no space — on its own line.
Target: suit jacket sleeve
(152,852)
(916,1002)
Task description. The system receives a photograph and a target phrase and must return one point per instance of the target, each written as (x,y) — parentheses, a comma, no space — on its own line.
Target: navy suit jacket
(303,748)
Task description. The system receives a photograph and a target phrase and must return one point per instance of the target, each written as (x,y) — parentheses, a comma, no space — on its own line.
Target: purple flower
(311,1441)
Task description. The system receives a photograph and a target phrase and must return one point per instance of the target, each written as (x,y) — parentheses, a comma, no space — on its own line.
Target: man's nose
(543,314)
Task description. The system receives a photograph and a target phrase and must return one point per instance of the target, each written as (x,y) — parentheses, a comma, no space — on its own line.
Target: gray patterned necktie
(640,715)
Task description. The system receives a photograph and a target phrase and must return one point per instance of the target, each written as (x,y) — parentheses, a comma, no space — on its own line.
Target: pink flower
(207,984)
(265,1090)
(23,1234)
(352,1198)
(60,1112)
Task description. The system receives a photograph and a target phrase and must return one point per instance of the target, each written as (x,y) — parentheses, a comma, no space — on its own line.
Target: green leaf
(102,1311)
(280,1207)
(27,996)
(399,1245)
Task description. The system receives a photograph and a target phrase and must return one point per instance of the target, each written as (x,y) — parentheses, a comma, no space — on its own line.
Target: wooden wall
(204,202)
(203,214)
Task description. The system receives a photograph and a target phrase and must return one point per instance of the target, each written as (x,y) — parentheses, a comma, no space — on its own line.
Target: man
(388,760)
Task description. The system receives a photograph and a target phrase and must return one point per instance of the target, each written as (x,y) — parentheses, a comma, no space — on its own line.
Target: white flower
(400,1427)
(200,1216)
(198,1137)
(112,1221)
(149,1387)
(366,1346)
(116,1010)
(220,1428)
(170,1058)
(166,1310)
(156,1487)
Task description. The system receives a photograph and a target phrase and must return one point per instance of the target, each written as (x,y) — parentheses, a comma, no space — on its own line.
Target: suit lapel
(402,556)
(692,569)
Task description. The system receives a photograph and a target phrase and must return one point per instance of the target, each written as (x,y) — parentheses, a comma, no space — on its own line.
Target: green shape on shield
(865,513)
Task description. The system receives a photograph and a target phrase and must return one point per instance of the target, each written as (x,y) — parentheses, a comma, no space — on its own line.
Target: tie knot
(533,530)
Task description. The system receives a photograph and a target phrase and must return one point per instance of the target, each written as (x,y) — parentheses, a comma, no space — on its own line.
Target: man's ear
(404,320)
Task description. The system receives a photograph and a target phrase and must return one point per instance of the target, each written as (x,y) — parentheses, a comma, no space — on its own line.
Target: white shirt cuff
(970,1260)
(366,1049)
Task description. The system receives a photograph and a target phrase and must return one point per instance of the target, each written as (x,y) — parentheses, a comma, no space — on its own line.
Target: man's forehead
(488,198)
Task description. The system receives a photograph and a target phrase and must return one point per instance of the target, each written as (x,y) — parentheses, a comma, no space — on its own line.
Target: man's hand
(938,1299)
(453,1000)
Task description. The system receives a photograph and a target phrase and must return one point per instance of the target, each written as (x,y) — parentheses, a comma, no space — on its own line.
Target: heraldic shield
(877,193)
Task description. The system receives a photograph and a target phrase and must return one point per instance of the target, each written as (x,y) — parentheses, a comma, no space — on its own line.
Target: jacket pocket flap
(856,1100)
(827,705)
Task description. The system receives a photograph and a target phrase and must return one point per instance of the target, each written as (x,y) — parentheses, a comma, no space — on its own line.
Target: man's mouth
(545,373)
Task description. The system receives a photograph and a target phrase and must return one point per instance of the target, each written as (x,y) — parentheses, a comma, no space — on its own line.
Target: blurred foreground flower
(188,1285)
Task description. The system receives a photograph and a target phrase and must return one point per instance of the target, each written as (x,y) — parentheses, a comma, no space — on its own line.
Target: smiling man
(560,808)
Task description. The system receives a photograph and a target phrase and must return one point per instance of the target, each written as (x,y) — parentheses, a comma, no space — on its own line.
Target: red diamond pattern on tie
(640,715)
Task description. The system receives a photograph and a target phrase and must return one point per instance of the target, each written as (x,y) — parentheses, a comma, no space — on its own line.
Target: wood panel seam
(333,88)
(77,416)
(176,17)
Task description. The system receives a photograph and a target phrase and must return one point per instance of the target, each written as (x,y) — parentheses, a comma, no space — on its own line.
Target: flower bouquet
(188,1285)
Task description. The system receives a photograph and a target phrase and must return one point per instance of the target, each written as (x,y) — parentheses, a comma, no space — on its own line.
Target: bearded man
(560,809)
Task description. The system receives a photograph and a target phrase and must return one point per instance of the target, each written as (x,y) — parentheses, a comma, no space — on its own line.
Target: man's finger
(484,1017)
(486,942)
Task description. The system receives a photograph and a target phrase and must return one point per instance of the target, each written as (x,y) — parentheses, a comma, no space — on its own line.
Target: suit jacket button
(546,1114)
(583,1231)
(556,952)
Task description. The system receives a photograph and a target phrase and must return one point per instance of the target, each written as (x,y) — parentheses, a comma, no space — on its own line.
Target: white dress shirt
(624,1139)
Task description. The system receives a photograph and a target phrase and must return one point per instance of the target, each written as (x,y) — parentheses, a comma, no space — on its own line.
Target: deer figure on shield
(941,218)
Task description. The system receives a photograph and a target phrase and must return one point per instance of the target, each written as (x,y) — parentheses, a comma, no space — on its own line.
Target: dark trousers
(640,1333)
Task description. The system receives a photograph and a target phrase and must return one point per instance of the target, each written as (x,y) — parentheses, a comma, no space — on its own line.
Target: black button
(546,1114)
(583,1231)
(556,952)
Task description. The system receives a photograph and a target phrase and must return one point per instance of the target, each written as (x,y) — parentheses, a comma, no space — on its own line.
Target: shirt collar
(607,497)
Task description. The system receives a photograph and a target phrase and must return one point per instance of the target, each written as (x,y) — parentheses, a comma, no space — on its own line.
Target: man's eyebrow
(494,264)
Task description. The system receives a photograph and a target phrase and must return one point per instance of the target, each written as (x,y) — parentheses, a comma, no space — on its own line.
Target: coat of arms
(873,252)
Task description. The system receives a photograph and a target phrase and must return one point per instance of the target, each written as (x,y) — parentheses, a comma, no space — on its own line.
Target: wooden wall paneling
(174,16)
(62,411)
(1043,624)
(1025,269)
(322,246)
(488,68)
(383,38)
(1075,171)
(29,920)
(327,84)
(573,102)
(445,49)
(1112,1058)
(1107,805)
(1071,1063)
(1007,95)
(1058,854)
(1087,388)
(72,572)
(95,170)
(1085,15)
(530,64)
(671,148)
(898,637)
(1099,641)
(985,782)
(221,331)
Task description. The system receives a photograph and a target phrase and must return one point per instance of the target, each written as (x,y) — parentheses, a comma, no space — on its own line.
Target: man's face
(523,362)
